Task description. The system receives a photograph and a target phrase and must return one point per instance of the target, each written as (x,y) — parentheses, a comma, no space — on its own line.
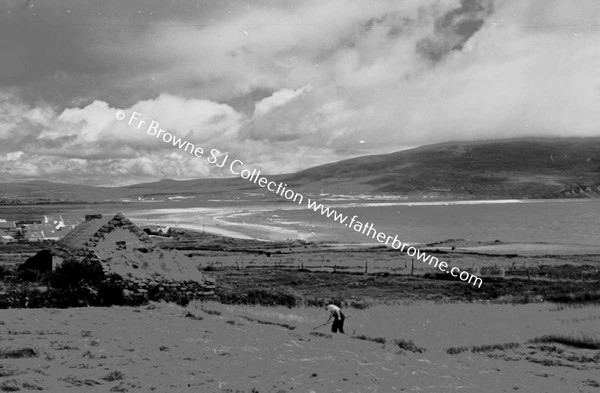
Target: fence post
(366,267)
(412,266)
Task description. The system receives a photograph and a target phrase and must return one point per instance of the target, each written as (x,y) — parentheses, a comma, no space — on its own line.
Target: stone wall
(118,221)
(153,289)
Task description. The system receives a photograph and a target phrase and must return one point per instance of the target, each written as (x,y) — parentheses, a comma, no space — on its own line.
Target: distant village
(48,228)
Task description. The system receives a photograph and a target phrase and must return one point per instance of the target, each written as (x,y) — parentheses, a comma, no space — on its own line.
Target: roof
(76,239)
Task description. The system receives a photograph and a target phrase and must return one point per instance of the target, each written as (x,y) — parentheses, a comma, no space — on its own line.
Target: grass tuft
(319,334)
(379,340)
(493,347)
(283,325)
(482,348)
(212,312)
(193,316)
(113,376)
(408,345)
(456,350)
(15,384)
(583,341)
(17,353)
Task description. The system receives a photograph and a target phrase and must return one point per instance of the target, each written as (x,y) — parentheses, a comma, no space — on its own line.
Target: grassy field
(211,347)
(533,326)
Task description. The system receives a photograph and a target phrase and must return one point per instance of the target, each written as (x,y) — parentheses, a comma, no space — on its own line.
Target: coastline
(272,222)
(215,221)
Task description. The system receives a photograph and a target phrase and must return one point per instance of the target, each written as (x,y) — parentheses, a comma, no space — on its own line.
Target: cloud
(278,99)
(88,145)
(454,28)
(13,156)
(286,85)
(93,131)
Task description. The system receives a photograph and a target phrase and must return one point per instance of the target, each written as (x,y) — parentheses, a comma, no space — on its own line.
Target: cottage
(124,248)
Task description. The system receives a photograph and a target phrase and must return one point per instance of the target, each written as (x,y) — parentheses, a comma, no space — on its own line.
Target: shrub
(76,283)
(4,272)
(110,291)
(209,268)
(23,297)
(31,275)
(72,274)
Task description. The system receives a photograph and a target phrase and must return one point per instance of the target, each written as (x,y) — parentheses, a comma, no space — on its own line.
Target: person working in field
(338,318)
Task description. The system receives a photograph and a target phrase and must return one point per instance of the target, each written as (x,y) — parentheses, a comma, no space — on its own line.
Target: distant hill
(517,168)
(48,191)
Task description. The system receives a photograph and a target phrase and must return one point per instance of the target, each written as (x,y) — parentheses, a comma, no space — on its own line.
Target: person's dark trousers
(338,324)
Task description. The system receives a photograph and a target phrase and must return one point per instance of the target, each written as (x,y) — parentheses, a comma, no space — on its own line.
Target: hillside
(518,168)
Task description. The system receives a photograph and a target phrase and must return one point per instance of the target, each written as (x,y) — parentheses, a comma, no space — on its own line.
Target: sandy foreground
(217,348)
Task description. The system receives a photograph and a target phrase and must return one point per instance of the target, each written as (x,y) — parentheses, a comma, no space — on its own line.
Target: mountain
(47,191)
(516,168)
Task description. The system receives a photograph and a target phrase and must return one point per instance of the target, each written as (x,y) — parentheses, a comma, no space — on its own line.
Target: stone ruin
(124,249)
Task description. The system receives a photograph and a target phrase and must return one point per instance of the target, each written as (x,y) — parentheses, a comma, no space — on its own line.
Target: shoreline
(215,221)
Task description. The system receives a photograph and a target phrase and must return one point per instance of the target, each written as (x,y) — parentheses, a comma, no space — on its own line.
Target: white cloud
(342,73)
(13,156)
(278,99)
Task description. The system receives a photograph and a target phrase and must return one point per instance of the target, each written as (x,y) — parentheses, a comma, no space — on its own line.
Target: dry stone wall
(153,286)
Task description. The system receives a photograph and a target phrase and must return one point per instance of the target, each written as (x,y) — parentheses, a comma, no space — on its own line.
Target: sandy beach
(226,221)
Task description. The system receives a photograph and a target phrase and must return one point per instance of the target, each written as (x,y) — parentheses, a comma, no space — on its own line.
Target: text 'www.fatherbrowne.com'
(237,168)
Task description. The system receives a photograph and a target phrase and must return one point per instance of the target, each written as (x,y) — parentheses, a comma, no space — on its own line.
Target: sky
(283,85)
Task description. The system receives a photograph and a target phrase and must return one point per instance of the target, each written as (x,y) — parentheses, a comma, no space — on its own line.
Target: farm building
(125,249)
